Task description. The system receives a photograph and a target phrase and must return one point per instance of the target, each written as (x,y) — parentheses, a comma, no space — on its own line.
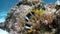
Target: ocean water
(5,6)
(49,1)
(3,32)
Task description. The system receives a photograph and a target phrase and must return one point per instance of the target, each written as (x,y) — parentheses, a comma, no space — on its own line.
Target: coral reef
(32,17)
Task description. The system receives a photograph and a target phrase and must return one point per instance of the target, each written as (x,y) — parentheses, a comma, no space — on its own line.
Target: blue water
(5,6)
(49,1)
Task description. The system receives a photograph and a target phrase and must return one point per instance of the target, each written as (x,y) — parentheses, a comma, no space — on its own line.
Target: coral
(28,17)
